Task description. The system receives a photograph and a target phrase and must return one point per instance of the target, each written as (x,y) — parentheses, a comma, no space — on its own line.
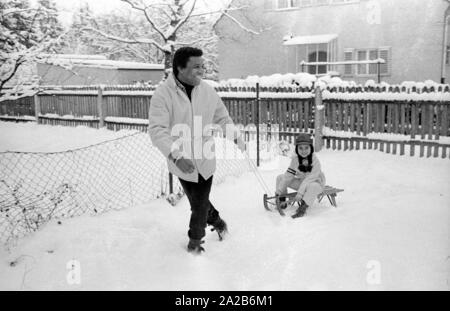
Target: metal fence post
(257,124)
(379,72)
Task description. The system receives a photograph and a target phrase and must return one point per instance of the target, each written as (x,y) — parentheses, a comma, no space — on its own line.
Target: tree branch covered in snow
(124,40)
(240,24)
(25,33)
(171,24)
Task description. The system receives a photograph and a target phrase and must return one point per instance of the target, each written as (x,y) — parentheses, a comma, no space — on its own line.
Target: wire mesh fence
(38,187)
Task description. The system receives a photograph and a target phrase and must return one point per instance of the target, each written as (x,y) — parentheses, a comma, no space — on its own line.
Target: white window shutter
(385,53)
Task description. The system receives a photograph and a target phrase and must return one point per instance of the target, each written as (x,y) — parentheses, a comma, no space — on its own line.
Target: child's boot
(281,201)
(301,210)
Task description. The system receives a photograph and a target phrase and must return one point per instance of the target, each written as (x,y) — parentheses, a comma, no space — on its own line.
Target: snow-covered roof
(315,39)
(115,64)
(99,61)
(75,56)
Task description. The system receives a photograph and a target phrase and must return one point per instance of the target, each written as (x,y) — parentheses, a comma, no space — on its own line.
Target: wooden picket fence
(411,147)
(284,116)
(21,107)
(283,112)
(427,119)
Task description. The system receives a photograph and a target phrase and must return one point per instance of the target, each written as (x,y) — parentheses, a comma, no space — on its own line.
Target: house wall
(413,29)
(126,76)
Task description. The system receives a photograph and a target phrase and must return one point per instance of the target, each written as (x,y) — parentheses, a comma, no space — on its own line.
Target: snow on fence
(411,147)
(357,118)
(426,118)
(407,109)
(38,187)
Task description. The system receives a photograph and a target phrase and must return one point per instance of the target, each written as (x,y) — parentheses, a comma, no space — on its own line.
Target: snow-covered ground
(31,137)
(389,232)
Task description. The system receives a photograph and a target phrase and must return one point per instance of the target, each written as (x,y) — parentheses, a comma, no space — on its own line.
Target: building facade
(349,36)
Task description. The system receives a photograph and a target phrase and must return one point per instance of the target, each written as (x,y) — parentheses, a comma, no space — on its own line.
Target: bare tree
(176,23)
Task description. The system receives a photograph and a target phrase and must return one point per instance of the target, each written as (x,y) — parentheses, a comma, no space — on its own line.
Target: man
(186,102)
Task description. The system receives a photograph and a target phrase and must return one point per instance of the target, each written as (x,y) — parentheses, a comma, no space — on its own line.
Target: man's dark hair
(182,55)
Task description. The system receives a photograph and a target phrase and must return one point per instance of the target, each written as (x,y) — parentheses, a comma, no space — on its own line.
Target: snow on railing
(330,83)
(386,96)
(393,137)
(68,117)
(299,85)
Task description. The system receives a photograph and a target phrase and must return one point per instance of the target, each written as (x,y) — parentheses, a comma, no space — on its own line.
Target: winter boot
(195,246)
(281,201)
(220,226)
(301,210)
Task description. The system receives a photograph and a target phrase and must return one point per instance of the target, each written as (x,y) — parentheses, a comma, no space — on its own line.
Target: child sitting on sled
(303,175)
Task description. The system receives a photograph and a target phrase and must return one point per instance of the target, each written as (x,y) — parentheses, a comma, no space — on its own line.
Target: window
(364,69)
(365,55)
(286,4)
(362,55)
(373,68)
(318,56)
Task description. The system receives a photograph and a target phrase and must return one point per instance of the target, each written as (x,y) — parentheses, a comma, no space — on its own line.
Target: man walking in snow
(182,103)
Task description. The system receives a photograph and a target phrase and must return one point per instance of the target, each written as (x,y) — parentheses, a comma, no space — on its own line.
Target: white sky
(98,6)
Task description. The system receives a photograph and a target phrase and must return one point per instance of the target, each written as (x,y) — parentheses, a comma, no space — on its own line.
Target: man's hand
(240,144)
(185,165)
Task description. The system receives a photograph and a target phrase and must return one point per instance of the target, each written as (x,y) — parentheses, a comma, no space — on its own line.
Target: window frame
(367,73)
(316,67)
(368,52)
(290,5)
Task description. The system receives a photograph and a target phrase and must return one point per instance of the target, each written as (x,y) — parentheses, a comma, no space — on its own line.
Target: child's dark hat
(303,138)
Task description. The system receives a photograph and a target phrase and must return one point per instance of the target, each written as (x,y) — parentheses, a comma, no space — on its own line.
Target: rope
(257,174)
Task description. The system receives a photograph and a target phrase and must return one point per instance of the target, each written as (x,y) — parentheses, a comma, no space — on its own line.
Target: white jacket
(316,174)
(169,107)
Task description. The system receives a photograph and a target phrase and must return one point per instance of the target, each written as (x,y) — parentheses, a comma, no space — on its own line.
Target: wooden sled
(271,204)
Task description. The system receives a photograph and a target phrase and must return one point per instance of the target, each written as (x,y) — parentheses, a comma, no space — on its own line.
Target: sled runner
(273,203)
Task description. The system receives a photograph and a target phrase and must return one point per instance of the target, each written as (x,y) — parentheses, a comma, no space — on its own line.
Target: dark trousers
(202,211)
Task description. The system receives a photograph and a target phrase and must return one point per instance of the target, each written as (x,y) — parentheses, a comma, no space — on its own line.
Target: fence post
(379,72)
(37,107)
(319,118)
(170,183)
(257,124)
(100,108)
